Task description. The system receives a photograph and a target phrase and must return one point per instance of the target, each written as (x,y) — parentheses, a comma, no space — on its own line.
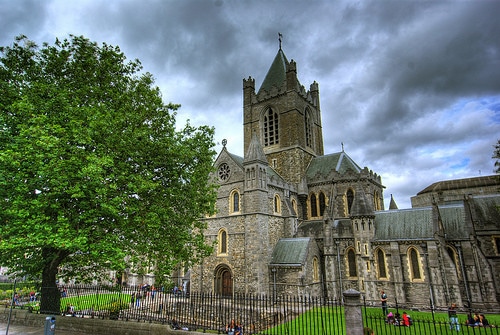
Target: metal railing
(258,314)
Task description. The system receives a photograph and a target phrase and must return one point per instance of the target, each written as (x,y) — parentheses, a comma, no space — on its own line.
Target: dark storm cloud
(410,87)
(20,17)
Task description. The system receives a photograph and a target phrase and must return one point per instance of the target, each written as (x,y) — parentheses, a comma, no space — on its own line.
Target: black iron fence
(402,321)
(257,314)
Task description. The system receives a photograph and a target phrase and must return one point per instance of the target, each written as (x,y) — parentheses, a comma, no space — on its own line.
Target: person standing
(452,314)
(383,299)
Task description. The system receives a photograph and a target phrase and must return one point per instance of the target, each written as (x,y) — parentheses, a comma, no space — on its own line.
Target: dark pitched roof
(323,165)
(455,184)
(486,209)
(418,223)
(276,76)
(290,251)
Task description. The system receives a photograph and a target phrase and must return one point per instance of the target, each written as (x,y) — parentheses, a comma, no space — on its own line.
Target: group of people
(394,319)
(234,328)
(398,320)
(476,320)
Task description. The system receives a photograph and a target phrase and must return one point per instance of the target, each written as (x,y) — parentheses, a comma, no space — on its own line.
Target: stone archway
(223,284)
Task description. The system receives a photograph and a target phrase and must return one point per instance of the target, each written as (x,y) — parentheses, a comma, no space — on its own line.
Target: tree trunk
(51,297)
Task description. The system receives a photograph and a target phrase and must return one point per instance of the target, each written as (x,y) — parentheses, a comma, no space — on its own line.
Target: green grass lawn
(95,302)
(331,321)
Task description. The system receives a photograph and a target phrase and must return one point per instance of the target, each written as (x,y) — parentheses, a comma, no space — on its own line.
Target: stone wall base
(86,325)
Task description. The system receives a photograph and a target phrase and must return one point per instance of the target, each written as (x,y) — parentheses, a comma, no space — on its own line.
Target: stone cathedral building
(294,220)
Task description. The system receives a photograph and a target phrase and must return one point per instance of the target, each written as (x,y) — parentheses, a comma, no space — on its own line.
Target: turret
(248,90)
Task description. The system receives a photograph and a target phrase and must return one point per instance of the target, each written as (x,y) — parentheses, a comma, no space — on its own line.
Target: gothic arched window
(234,205)
(314,206)
(271,127)
(382,271)
(295,208)
(315,269)
(415,266)
(222,241)
(277,204)
(351,260)
(453,255)
(350,200)
(322,203)
(376,201)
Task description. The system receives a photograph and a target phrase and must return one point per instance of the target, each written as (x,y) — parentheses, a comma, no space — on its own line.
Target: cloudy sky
(412,88)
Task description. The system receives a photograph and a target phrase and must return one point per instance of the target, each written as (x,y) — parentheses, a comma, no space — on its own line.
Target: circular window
(224,172)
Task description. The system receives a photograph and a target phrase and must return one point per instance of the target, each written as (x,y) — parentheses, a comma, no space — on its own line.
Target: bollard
(50,325)
(353,313)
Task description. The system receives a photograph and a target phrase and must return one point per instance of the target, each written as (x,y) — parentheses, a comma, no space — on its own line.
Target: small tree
(496,156)
(93,168)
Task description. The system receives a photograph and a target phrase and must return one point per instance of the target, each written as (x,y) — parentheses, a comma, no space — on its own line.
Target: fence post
(352,311)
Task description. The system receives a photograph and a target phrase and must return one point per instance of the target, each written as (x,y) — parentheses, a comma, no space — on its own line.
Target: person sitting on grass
(483,321)
(390,318)
(406,320)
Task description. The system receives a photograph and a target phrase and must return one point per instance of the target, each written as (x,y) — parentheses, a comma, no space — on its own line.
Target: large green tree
(93,167)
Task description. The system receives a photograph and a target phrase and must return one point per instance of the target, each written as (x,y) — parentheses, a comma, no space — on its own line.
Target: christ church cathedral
(294,220)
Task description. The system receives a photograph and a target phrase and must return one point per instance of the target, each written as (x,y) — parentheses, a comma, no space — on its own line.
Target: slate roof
(323,165)
(276,76)
(455,184)
(486,209)
(418,223)
(290,251)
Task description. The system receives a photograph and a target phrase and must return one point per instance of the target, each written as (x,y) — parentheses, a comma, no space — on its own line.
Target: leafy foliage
(92,166)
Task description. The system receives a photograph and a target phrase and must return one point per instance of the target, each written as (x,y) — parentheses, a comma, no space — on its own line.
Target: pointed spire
(255,151)
(393,205)
(276,76)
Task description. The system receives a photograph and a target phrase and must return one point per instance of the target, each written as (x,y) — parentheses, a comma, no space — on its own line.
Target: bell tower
(285,117)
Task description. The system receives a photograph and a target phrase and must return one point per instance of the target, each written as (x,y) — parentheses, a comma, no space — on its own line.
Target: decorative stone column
(352,310)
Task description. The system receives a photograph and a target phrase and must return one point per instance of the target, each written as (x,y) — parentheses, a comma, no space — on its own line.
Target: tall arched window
(351,260)
(376,201)
(350,200)
(315,269)
(314,206)
(382,271)
(222,241)
(322,203)
(234,205)
(456,262)
(271,127)
(277,204)
(308,130)
(415,264)
(294,205)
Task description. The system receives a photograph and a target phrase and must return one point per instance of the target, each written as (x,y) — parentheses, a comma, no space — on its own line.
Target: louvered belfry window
(271,128)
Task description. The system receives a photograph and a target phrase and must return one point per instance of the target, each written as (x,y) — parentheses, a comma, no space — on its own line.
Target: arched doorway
(223,281)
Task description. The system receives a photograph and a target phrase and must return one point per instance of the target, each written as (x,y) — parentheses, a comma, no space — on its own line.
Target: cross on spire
(280,37)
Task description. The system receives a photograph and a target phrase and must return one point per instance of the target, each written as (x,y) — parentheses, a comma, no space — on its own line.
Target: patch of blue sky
(465,106)
(460,165)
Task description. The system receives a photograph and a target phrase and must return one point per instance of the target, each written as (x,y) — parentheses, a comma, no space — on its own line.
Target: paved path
(24,330)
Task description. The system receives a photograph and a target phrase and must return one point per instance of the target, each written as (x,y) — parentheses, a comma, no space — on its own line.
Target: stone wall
(86,325)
